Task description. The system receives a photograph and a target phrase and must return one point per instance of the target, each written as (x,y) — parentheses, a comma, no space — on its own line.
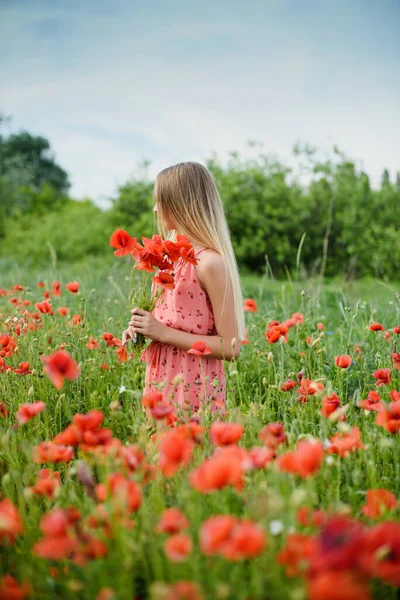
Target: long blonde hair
(186,193)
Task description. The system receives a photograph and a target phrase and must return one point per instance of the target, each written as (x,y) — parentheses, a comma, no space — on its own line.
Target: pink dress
(190,380)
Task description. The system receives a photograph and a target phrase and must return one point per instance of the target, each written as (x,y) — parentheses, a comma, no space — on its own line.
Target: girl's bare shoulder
(210,264)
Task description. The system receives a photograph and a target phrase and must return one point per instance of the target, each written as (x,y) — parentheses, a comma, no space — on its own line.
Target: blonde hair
(186,193)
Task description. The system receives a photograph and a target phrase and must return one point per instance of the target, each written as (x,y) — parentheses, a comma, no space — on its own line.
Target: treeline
(326,219)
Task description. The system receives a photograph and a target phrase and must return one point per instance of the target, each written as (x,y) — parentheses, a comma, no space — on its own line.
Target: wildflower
(347,584)
(56,288)
(28,410)
(226,467)
(123,242)
(223,434)
(178,547)
(396,360)
(389,417)
(175,451)
(376,327)
(343,361)
(60,366)
(378,501)
(63,311)
(309,388)
(10,589)
(296,554)
(288,385)
(172,521)
(250,305)
(120,490)
(273,434)
(10,521)
(73,287)
(382,376)
(44,307)
(373,402)
(304,461)
(329,405)
(166,280)
(51,452)
(380,555)
(47,483)
(199,349)
(92,343)
(344,443)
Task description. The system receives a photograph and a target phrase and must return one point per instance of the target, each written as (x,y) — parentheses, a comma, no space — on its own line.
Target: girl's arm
(211,274)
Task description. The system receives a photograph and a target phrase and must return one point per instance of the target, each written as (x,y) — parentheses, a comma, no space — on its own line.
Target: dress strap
(201,250)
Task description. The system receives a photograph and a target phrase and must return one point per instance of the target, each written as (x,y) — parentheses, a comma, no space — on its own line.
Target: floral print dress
(190,380)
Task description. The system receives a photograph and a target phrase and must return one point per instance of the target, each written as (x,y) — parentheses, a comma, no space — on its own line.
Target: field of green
(308,509)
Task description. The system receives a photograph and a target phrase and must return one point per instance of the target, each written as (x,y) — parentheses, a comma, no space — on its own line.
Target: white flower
(276,527)
(122,389)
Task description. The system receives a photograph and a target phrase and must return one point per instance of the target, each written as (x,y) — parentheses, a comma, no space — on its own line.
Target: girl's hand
(144,322)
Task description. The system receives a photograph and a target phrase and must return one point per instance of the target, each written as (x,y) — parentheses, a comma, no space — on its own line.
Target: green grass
(136,565)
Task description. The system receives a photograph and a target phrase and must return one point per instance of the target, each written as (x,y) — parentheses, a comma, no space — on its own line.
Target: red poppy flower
(309,388)
(124,491)
(47,483)
(344,443)
(51,452)
(29,410)
(261,456)
(329,405)
(215,532)
(40,284)
(92,343)
(343,361)
(389,417)
(320,326)
(123,242)
(60,366)
(396,330)
(10,589)
(373,402)
(396,360)
(273,434)
(382,376)
(63,311)
(182,590)
(380,552)
(44,307)
(304,461)
(395,396)
(178,547)
(276,332)
(10,521)
(199,349)
(250,305)
(296,554)
(73,287)
(378,501)
(172,521)
(56,288)
(288,385)
(175,451)
(23,369)
(122,354)
(226,467)
(348,586)
(246,540)
(376,327)
(166,280)
(223,434)
(311,518)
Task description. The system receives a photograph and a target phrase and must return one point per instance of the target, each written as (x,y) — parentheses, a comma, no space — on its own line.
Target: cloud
(109,91)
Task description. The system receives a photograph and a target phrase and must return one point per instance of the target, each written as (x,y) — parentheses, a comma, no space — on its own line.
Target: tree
(27,152)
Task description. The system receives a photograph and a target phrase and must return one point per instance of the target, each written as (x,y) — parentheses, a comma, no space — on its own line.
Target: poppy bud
(270,357)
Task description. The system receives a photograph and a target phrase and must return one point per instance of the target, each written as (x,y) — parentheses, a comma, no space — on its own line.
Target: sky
(111,84)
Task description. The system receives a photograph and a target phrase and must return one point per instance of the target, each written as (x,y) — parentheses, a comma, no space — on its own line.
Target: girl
(206,304)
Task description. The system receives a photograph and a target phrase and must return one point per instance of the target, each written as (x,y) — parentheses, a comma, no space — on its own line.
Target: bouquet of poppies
(154,255)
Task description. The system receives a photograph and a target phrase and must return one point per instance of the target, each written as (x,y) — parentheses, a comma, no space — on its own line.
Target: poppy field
(289,490)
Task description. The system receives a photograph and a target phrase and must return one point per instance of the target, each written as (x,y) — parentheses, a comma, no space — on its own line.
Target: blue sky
(110,84)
